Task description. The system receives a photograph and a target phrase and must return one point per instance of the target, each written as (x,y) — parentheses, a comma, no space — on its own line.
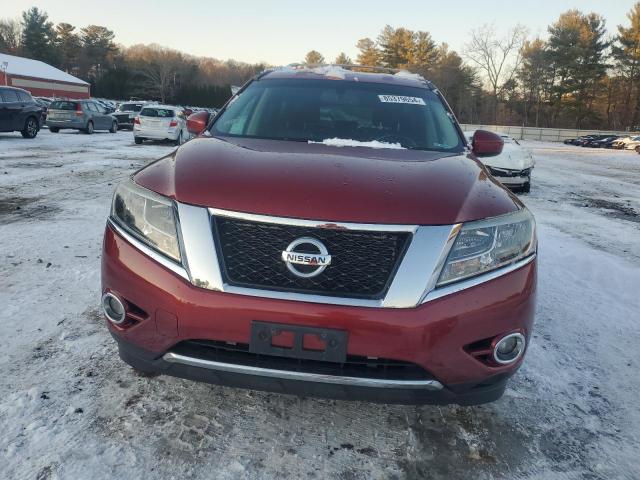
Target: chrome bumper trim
(302,376)
(475,281)
(161,259)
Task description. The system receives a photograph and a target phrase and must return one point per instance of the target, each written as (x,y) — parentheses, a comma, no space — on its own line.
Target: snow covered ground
(70,409)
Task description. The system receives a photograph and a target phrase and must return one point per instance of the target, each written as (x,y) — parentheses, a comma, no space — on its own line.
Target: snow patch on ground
(346,142)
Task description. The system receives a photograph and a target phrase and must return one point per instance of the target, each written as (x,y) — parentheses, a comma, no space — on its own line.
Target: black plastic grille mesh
(362,266)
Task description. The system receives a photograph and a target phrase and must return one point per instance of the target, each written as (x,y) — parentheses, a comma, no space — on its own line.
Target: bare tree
(497,58)
(158,67)
(10,33)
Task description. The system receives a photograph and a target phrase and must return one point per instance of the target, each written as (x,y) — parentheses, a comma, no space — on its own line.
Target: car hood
(320,182)
(513,157)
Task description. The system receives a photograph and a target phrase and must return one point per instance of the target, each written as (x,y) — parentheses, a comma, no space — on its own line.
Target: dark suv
(19,112)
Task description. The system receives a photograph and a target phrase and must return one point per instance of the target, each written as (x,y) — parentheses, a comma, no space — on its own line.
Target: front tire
(526,188)
(178,141)
(138,140)
(89,129)
(31,128)
(54,129)
(114,127)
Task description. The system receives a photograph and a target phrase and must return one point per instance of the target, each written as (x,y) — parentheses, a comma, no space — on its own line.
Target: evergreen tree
(424,53)
(576,49)
(68,44)
(38,37)
(457,82)
(534,77)
(626,53)
(396,47)
(314,58)
(343,59)
(369,53)
(98,48)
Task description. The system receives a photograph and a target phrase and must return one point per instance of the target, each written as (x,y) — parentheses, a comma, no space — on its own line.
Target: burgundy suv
(329,233)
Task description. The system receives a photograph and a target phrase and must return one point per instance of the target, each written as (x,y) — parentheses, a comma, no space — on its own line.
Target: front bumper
(433,336)
(518,181)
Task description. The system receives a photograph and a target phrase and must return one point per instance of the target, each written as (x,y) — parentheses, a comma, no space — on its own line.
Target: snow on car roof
(26,67)
(154,105)
(338,72)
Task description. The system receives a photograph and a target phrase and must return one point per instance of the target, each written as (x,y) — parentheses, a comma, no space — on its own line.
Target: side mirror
(197,122)
(486,144)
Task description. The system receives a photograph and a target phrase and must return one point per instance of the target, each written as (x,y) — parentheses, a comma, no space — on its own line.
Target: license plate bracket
(334,341)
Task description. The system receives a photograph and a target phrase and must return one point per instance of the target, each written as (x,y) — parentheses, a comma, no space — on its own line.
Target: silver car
(84,115)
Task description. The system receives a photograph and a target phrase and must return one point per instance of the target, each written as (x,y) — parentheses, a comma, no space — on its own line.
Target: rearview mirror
(197,122)
(486,144)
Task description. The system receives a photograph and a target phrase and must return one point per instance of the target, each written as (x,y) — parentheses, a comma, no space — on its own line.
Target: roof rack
(356,68)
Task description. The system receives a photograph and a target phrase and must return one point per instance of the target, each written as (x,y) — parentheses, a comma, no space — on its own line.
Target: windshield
(129,107)
(157,112)
(320,110)
(61,105)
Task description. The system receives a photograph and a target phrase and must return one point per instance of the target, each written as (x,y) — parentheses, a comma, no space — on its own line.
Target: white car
(513,166)
(622,142)
(160,122)
(632,143)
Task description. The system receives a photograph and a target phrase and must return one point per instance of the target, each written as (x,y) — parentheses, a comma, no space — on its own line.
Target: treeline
(145,71)
(579,75)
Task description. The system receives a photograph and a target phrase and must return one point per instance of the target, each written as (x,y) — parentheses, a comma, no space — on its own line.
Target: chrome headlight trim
(133,208)
(484,258)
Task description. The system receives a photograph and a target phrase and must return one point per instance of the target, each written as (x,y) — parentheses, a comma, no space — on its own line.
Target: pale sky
(282,31)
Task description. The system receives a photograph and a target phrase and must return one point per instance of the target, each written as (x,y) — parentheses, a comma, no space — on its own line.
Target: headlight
(485,245)
(148,216)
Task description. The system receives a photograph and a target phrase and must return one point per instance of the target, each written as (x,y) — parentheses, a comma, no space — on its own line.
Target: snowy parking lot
(70,409)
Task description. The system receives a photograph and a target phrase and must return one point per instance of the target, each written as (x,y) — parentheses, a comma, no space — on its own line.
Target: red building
(40,79)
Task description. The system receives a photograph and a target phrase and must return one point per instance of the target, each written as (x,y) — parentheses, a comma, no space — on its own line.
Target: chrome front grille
(363,262)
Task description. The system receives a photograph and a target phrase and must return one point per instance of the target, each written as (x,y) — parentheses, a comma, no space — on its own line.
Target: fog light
(509,348)
(113,308)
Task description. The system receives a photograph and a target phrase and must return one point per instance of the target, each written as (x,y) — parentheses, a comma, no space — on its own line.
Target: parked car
(632,143)
(328,234)
(19,112)
(622,142)
(603,142)
(160,122)
(44,104)
(586,141)
(84,115)
(599,141)
(108,106)
(127,112)
(577,141)
(513,166)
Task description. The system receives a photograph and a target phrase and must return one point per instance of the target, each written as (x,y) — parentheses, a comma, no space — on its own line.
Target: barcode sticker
(401,99)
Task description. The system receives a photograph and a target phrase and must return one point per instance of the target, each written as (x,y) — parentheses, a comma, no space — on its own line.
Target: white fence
(545,134)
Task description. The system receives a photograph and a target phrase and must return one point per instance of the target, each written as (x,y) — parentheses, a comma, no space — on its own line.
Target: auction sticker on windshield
(401,99)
